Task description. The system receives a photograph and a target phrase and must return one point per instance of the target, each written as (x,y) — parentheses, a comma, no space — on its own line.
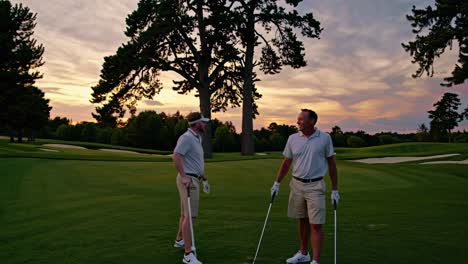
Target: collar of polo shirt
(315,134)
(193,132)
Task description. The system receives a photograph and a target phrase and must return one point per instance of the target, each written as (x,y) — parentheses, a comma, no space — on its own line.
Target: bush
(355,142)
(387,139)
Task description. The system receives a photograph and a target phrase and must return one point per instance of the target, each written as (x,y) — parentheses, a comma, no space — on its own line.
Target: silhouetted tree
(445,117)
(30,112)
(20,55)
(195,39)
(444,24)
(271,24)
(422,134)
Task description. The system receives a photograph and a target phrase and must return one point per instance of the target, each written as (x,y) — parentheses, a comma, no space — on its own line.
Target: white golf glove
(275,188)
(206,186)
(335,196)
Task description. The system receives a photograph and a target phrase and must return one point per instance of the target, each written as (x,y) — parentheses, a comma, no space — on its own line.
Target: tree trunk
(20,136)
(247,147)
(11,133)
(205,110)
(204,89)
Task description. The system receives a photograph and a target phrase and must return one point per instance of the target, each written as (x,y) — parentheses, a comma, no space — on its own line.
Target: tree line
(153,130)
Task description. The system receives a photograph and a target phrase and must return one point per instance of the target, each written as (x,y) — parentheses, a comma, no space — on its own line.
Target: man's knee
(316,227)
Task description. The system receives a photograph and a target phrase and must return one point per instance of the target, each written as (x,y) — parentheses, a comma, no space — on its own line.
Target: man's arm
(179,164)
(333,172)
(285,165)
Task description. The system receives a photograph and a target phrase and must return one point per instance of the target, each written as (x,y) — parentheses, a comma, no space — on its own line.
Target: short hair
(311,114)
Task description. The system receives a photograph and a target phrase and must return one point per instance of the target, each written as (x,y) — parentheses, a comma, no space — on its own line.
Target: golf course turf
(86,206)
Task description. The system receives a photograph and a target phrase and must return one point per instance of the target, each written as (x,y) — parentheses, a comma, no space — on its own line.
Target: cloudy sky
(358,76)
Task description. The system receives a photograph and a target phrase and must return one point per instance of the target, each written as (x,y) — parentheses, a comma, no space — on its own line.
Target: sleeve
(287,153)
(329,150)
(183,145)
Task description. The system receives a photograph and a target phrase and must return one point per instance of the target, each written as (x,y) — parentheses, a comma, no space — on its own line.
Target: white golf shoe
(179,244)
(314,262)
(190,259)
(298,257)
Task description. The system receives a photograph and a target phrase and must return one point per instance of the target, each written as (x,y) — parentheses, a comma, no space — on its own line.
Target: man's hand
(186,181)
(275,188)
(206,187)
(335,196)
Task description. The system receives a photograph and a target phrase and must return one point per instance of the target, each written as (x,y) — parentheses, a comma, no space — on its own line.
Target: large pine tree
(20,56)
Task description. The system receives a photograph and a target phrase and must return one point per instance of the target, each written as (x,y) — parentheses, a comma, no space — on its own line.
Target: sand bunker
(49,150)
(447,162)
(63,146)
(390,160)
(120,151)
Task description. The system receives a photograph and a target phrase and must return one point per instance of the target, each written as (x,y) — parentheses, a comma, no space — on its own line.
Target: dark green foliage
(445,116)
(422,134)
(445,23)
(23,108)
(355,142)
(224,140)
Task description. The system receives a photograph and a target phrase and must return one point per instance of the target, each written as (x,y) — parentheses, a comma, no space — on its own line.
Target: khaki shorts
(194,196)
(307,200)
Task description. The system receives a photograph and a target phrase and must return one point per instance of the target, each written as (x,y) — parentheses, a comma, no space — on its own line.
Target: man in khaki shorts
(189,162)
(312,153)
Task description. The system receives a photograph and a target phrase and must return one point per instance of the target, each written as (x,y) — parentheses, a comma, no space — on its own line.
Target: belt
(308,180)
(194,175)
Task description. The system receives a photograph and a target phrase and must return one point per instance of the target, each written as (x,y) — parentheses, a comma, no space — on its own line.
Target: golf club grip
(188,191)
(334,204)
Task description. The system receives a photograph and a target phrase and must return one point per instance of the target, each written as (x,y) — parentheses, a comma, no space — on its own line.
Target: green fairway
(69,207)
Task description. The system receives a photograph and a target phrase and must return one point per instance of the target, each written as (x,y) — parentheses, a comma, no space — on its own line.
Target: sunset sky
(358,76)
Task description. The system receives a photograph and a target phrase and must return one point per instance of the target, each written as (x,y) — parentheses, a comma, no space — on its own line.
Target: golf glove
(206,186)
(335,196)
(275,188)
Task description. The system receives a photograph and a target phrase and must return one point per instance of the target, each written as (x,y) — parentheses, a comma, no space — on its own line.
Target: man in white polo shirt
(189,162)
(311,153)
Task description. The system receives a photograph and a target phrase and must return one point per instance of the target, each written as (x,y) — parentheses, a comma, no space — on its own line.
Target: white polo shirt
(309,155)
(189,145)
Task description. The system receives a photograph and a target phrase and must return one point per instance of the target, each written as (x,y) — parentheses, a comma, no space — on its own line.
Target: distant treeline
(160,131)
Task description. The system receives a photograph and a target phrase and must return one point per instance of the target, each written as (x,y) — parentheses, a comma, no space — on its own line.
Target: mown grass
(67,210)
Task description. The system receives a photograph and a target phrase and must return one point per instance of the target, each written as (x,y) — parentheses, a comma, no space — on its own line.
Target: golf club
(190,221)
(264,226)
(334,205)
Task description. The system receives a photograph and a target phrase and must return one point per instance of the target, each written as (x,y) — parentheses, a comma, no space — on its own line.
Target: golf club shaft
(334,204)
(190,221)
(264,226)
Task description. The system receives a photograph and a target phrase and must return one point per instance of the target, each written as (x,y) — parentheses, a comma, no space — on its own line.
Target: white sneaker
(314,262)
(179,244)
(190,259)
(298,257)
